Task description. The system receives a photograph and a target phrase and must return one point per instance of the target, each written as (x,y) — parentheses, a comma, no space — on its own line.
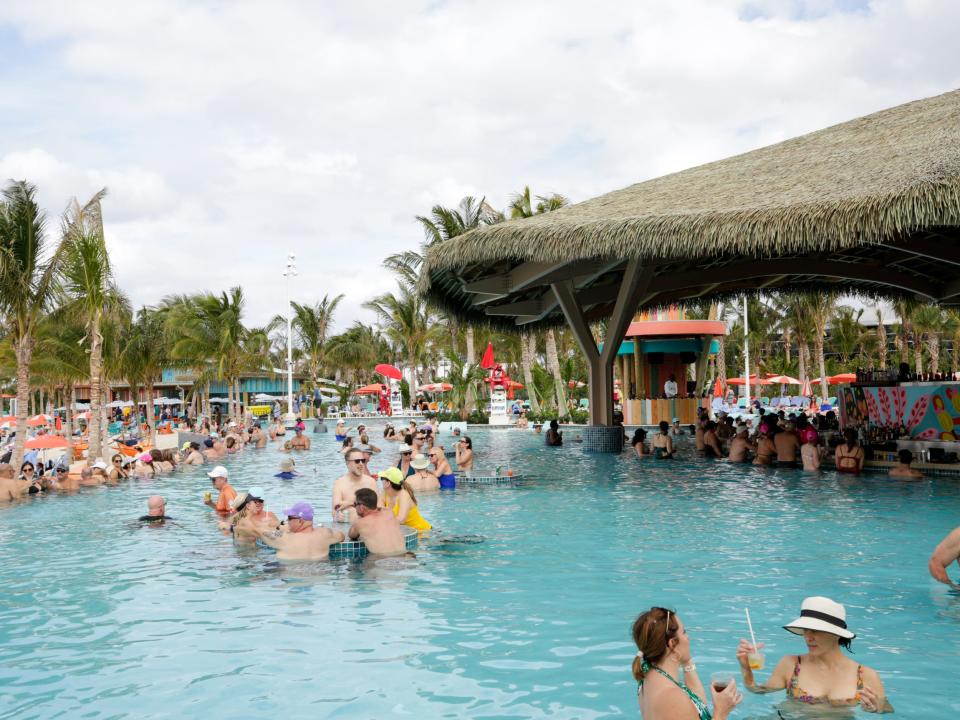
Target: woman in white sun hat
(824,675)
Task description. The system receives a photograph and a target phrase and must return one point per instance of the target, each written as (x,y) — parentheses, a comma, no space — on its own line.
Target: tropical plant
(30,266)
(311,327)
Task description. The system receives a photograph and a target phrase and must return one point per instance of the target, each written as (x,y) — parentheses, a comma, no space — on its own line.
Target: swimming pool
(103,619)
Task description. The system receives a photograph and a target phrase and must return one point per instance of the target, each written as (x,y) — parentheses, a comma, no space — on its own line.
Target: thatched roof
(891,179)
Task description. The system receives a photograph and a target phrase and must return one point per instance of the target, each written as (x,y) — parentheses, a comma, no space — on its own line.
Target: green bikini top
(699,704)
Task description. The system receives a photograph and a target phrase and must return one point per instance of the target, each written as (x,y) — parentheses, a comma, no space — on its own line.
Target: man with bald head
(156,511)
(10,487)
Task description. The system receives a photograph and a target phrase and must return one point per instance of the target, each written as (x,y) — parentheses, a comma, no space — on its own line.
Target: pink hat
(145,457)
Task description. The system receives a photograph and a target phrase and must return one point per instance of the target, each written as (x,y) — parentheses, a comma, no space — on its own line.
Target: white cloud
(231,133)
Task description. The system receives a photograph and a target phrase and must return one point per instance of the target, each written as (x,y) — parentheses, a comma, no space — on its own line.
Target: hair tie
(640,654)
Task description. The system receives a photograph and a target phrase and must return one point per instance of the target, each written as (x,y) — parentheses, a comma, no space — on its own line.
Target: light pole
(290,272)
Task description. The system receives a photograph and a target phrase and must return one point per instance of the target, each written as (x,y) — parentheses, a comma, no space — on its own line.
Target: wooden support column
(637,367)
(636,280)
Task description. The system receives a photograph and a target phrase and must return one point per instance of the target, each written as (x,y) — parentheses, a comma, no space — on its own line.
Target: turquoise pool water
(101,619)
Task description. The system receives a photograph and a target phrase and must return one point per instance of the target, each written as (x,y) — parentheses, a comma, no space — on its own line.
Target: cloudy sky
(229,133)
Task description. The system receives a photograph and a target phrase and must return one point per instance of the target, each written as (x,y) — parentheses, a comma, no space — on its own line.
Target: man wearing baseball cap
(302,541)
(218,476)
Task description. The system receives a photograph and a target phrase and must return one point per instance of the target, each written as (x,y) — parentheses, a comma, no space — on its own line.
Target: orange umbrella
(374,389)
(44,442)
(842,378)
(754,380)
(718,388)
(436,387)
(783,380)
(38,420)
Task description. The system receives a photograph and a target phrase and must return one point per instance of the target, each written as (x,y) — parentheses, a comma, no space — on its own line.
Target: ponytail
(652,633)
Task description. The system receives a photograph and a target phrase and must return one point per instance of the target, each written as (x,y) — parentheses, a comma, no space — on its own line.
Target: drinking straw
(750,626)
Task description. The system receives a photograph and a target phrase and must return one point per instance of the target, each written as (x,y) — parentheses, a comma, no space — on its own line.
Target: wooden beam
(574,316)
(941,250)
(523,276)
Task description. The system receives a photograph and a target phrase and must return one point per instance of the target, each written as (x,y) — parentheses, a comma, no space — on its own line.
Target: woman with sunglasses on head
(117,471)
(823,675)
(663,650)
(250,516)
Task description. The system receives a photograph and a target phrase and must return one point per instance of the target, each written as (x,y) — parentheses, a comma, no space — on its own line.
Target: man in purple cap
(302,541)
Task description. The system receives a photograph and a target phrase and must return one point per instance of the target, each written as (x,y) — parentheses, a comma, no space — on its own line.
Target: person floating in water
(903,470)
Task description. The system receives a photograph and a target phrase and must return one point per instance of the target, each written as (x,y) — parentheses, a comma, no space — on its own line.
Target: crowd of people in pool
(776,439)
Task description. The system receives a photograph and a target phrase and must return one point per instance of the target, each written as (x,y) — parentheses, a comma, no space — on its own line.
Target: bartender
(670,387)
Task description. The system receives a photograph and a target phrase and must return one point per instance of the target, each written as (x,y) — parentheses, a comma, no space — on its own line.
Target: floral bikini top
(702,710)
(797,693)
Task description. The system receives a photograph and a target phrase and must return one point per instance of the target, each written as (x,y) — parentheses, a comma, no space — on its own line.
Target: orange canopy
(43,442)
(374,389)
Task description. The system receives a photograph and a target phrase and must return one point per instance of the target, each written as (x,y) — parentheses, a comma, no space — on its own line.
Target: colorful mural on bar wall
(928,412)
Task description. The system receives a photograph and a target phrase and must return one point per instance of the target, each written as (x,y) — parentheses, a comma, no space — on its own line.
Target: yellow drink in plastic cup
(208,496)
(755,660)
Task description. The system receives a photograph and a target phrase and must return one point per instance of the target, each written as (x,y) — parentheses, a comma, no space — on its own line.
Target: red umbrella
(374,389)
(753,381)
(43,442)
(579,383)
(487,363)
(435,387)
(388,371)
(514,385)
(842,378)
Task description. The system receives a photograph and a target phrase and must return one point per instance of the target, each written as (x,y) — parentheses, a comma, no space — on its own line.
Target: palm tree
(311,326)
(818,310)
(522,206)
(929,323)
(144,356)
(846,333)
(356,351)
(528,351)
(881,340)
(443,224)
(905,332)
(408,325)
(92,297)
(29,271)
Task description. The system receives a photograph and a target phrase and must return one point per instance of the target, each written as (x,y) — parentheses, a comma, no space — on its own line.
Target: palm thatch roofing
(870,206)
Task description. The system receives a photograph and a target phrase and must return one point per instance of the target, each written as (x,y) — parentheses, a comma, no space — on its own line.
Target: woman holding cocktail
(824,675)
(663,651)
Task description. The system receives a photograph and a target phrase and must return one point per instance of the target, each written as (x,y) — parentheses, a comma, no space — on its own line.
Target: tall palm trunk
(96,388)
(802,351)
(881,344)
(721,362)
(955,353)
(207,410)
(471,352)
(788,345)
(821,363)
(933,348)
(70,399)
(917,352)
(151,418)
(414,379)
(553,362)
(104,425)
(238,411)
(229,398)
(24,352)
(526,360)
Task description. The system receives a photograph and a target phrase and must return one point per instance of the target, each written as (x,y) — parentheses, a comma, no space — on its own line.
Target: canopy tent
(870,206)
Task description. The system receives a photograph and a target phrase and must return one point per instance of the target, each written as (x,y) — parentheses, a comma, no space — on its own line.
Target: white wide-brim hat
(821,614)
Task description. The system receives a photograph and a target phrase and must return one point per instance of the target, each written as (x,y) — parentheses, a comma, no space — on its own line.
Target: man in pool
(258,437)
(300,441)
(10,487)
(346,486)
(218,476)
(740,446)
(378,528)
(944,555)
(903,469)
(192,454)
(302,541)
(156,511)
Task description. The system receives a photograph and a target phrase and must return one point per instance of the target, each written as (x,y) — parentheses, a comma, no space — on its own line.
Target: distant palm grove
(66,323)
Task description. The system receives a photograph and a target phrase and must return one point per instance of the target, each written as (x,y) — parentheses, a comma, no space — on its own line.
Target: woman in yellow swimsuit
(399,496)
(824,675)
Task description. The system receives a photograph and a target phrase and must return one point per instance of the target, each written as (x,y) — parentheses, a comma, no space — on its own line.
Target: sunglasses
(117,461)
(361,461)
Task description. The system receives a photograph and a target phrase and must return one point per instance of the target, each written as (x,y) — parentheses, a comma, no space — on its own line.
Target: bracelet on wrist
(689,667)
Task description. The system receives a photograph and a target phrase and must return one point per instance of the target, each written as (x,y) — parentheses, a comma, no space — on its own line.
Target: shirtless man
(257,437)
(216,449)
(787,444)
(740,446)
(302,541)
(156,511)
(193,456)
(903,469)
(946,553)
(377,527)
(699,432)
(300,441)
(346,486)
(10,487)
